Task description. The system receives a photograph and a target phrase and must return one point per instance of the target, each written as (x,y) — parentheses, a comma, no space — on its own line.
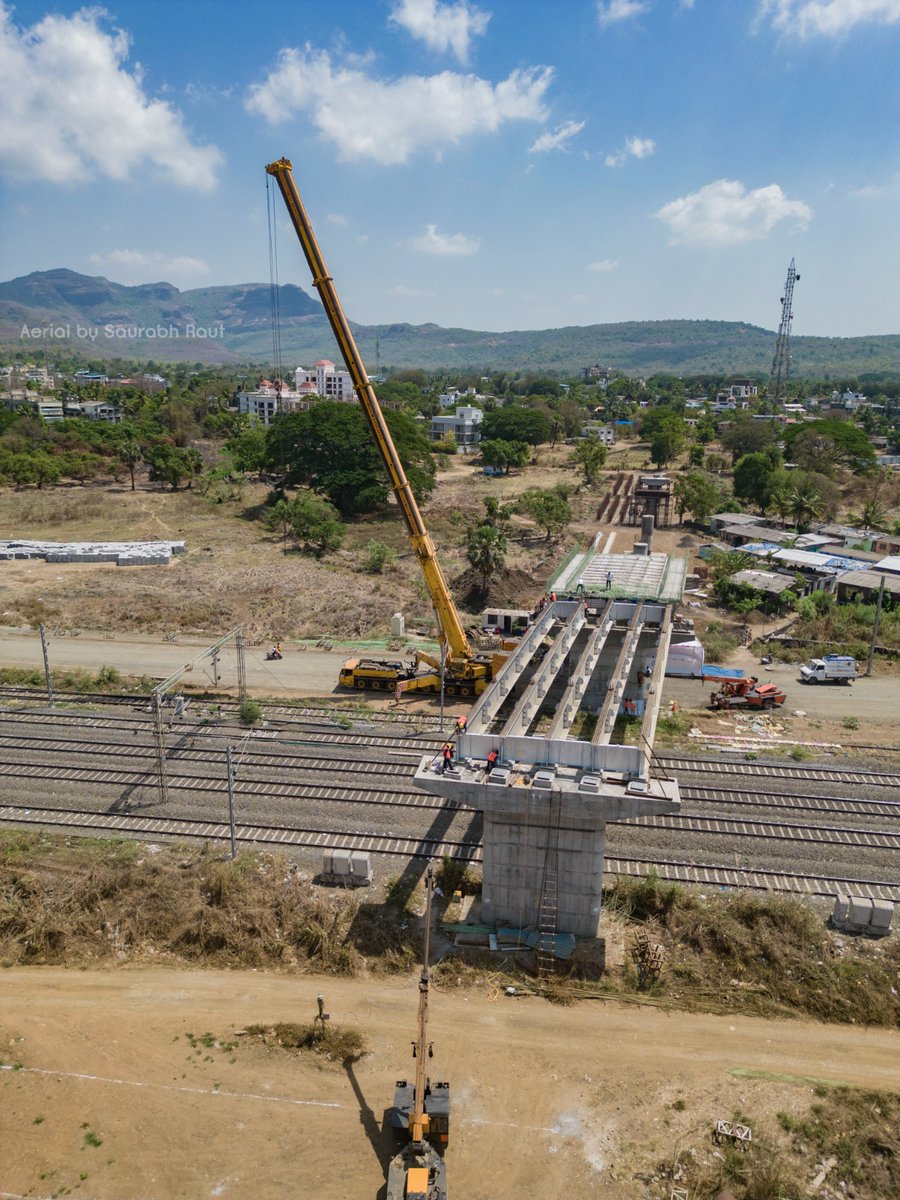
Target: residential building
(44,406)
(464,427)
(600,432)
(329,383)
(101,410)
(267,400)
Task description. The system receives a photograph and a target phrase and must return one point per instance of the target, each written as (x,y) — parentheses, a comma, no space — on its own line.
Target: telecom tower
(781,363)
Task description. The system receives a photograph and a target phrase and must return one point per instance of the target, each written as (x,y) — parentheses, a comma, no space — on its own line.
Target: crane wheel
(360,683)
(376,685)
(464,691)
(450,689)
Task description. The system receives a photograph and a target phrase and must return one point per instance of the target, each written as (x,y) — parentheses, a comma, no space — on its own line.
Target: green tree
(668,441)
(486,550)
(548,508)
(129,455)
(698,493)
(515,423)
(752,478)
(496,452)
(172,464)
(747,436)
(590,455)
(805,503)
(47,468)
(330,449)
(247,449)
(849,445)
(312,519)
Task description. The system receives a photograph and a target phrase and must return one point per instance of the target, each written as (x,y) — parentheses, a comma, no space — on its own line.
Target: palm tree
(805,503)
(486,551)
(780,503)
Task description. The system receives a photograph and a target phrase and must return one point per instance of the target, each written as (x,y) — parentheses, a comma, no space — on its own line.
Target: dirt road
(314,672)
(307,673)
(873,699)
(119,1092)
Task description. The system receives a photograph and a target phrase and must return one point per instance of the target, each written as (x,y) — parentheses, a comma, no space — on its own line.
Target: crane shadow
(380,1137)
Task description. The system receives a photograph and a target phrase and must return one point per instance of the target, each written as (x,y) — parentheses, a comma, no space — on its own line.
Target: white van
(833,668)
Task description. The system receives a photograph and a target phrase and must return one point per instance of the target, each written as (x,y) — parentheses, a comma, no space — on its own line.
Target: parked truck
(832,668)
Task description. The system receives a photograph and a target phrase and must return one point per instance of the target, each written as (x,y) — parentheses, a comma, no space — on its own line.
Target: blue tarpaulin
(711,672)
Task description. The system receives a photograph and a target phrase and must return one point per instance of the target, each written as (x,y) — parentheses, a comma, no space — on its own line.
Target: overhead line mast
(781,363)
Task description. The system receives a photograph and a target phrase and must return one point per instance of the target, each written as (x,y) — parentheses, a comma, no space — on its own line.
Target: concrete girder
(491,701)
(654,689)
(526,710)
(581,677)
(606,718)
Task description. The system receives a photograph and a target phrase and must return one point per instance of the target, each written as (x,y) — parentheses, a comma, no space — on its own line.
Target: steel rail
(681,871)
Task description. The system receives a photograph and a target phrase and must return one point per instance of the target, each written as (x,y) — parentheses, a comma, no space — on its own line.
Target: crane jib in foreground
(468,671)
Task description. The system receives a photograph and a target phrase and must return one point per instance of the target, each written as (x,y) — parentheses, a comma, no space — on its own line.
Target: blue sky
(498,165)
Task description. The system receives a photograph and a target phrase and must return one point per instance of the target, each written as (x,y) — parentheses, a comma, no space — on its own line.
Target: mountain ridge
(232,324)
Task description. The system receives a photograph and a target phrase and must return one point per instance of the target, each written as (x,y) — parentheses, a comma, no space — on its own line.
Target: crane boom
(449,622)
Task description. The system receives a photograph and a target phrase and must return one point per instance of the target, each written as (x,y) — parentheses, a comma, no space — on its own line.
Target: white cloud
(724,213)
(145,266)
(830,18)
(446,245)
(441,26)
(389,120)
(72,110)
(604,264)
(558,140)
(336,219)
(610,12)
(635,147)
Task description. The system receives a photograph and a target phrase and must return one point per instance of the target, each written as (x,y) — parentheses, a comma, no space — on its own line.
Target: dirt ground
(111,1089)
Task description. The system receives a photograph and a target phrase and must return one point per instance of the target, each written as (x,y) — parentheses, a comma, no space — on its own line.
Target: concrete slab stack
(123,554)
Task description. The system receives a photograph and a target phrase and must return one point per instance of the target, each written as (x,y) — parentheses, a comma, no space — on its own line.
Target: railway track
(291,760)
(283,711)
(705,766)
(390,797)
(675,870)
(141,724)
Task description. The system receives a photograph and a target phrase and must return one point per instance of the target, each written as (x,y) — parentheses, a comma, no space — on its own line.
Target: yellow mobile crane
(421,1110)
(466,672)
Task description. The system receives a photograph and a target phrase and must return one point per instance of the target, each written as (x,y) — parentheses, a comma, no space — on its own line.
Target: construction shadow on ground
(381,1137)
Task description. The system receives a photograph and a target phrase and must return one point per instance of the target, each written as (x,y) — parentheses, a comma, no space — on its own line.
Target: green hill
(106,320)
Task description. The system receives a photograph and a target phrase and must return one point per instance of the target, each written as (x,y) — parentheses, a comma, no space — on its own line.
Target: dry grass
(769,955)
(68,900)
(336,1043)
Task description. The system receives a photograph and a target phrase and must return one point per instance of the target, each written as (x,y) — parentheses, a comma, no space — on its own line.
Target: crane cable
(274,298)
(277,359)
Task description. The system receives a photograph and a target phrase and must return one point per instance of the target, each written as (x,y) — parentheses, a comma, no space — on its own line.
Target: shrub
(378,556)
(249,712)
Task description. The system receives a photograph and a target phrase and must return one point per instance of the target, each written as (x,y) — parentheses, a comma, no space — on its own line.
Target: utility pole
(443,665)
(160,740)
(781,363)
(230,766)
(241,666)
(875,626)
(43,633)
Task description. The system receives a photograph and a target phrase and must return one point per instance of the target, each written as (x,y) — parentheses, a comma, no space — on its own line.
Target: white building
(266,401)
(327,381)
(464,427)
(600,432)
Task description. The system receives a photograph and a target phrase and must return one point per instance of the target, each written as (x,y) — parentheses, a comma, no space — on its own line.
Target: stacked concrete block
(124,554)
(861,915)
